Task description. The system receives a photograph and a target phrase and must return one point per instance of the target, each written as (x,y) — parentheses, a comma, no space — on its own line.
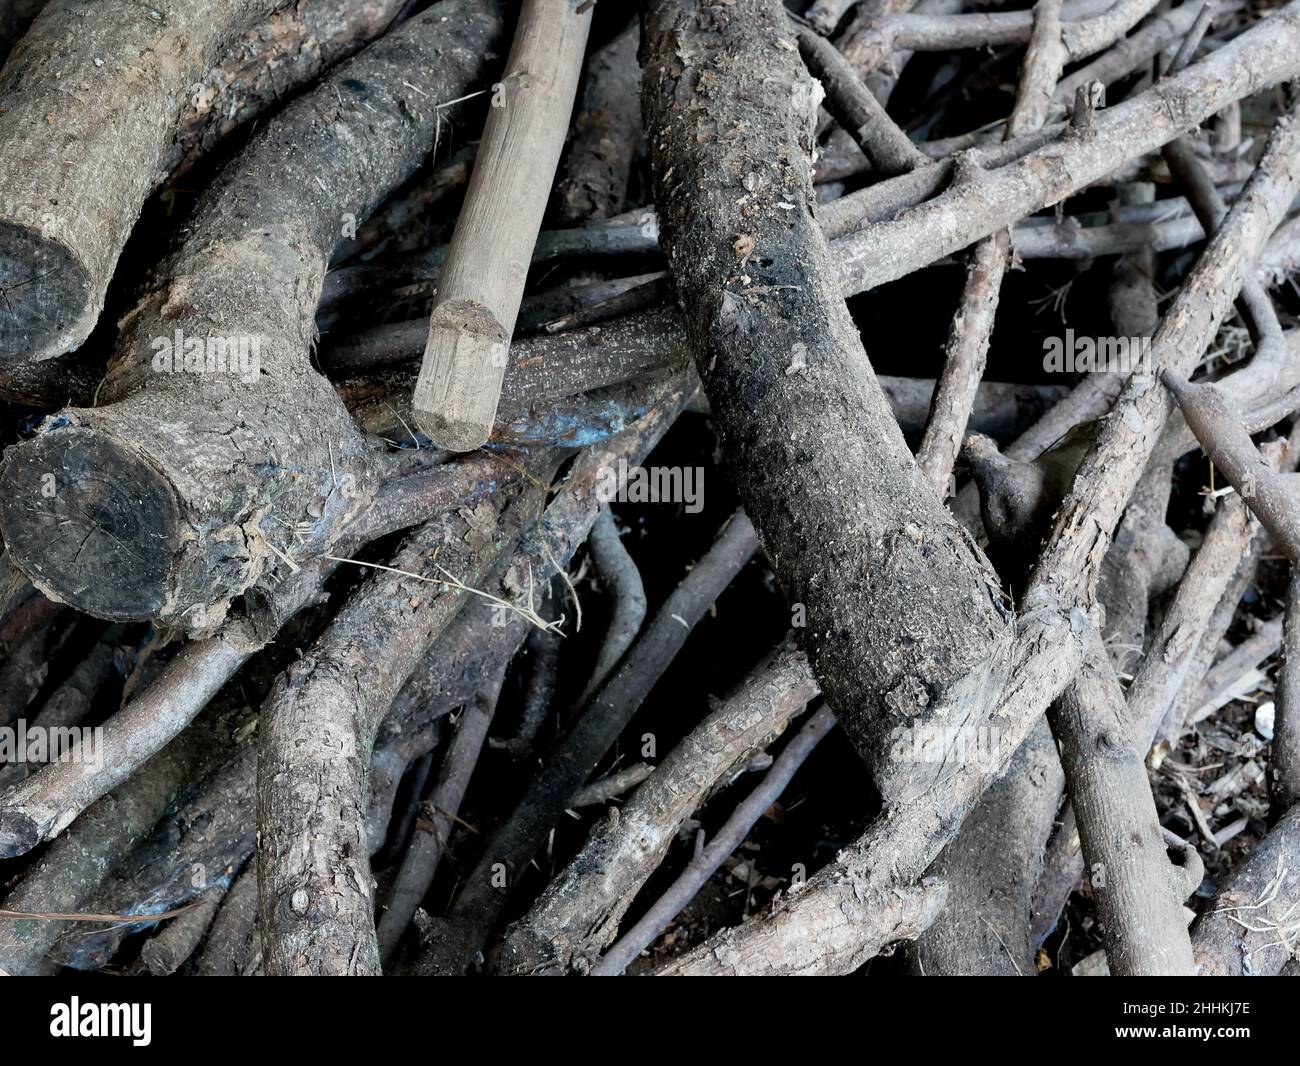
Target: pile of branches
(363,609)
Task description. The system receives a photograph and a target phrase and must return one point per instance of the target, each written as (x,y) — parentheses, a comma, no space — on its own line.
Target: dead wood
(985,930)
(1250,928)
(168,950)
(185,453)
(62,228)
(607,131)
(433,830)
(481,638)
(724,842)
(233,940)
(73,867)
(826,925)
(573,757)
(884,250)
(618,570)
(857,110)
(318,730)
(1284,771)
(787,379)
(543,647)
(41,806)
(1139,896)
(578,914)
(201,843)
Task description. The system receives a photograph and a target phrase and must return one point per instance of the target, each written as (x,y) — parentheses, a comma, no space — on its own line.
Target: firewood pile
(704,487)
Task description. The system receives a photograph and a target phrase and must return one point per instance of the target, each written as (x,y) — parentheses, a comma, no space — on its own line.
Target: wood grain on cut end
(45,293)
(91,522)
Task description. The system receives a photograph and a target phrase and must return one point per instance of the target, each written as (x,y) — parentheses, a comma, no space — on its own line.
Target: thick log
(905,623)
(63,227)
(318,730)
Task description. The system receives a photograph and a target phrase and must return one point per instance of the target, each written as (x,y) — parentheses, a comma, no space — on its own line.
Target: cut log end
(44,294)
(19,834)
(91,522)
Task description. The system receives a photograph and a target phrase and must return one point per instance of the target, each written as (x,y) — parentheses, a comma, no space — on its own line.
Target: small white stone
(1264,715)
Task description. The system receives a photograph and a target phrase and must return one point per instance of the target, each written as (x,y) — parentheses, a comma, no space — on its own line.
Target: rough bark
(1139,897)
(200,845)
(318,731)
(1284,769)
(263,67)
(216,475)
(897,847)
(233,940)
(578,914)
(41,806)
(420,862)
(63,227)
(607,129)
(478,641)
(574,756)
(168,950)
(904,617)
(704,864)
(882,251)
(1250,929)
(73,867)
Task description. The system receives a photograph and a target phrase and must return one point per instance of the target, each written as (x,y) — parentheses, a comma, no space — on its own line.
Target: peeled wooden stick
(483,279)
